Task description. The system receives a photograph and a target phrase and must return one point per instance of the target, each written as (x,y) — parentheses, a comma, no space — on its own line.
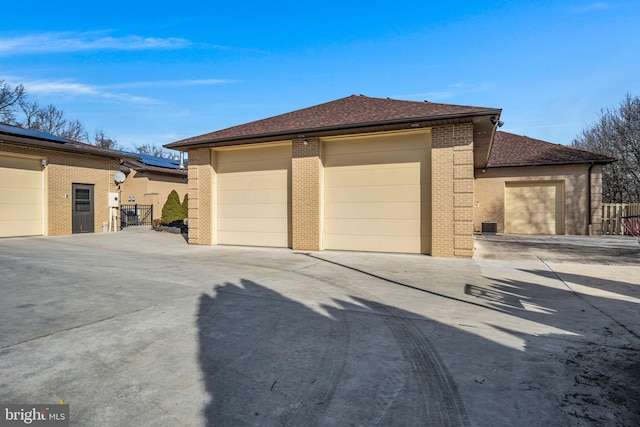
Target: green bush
(172,209)
(185,205)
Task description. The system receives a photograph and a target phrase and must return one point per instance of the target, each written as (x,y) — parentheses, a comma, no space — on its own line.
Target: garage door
(20,196)
(253,196)
(377,194)
(534,208)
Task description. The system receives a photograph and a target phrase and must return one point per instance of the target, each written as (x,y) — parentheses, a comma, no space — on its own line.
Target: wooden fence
(611,213)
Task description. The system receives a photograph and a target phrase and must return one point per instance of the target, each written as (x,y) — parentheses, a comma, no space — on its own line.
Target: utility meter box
(114,200)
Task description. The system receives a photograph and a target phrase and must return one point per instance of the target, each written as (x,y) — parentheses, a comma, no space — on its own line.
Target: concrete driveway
(138,328)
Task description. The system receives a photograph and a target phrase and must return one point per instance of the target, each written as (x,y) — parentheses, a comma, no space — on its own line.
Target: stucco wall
(150,188)
(490,184)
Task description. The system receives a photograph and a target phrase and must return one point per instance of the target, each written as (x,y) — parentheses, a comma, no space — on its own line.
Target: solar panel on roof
(30,133)
(160,162)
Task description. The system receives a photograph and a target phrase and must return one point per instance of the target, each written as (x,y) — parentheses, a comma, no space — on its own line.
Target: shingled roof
(517,150)
(355,111)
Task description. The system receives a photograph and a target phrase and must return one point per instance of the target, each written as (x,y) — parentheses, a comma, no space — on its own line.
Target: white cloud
(591,7)
(171,83)
(54,42)
(74,89)
(71,88)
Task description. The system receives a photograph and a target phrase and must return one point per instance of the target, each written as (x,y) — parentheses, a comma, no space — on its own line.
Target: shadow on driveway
(270,360)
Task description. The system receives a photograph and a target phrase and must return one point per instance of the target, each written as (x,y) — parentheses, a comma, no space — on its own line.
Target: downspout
(181,166)
(590,219)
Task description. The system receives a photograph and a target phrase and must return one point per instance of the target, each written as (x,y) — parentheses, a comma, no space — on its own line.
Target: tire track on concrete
(440,402)
(306,398)
(311,407)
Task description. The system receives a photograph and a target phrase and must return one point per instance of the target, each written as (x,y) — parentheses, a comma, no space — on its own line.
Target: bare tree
(101,139)
(616,133)
(75,131)
(10,98)
(30,111)
(154,150)
(49,119)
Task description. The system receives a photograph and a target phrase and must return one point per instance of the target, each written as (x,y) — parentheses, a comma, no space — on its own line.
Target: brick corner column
(463,191)
(596,201)
(201,182)
(306,194)
(452,191)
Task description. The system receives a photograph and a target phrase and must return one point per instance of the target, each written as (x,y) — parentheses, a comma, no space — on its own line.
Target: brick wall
(489,194)
(201,187)
(451,193)
(306,189)
(64,169)
(452,190)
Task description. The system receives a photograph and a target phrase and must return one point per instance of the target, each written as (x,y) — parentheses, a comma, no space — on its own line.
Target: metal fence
(611,214)
(131,215)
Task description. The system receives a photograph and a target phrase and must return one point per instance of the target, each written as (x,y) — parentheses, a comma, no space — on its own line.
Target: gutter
(181,172)
(310,132)
(577,162)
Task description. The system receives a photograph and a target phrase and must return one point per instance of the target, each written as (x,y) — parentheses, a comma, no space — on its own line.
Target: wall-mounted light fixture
(497,122)
(44,163)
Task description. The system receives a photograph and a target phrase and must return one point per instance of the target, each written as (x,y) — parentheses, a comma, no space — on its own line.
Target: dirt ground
(606,372)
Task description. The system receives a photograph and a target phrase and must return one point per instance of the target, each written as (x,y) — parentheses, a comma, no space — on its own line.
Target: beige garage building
(358,173)
(536,187)
(374,174)
(50,186)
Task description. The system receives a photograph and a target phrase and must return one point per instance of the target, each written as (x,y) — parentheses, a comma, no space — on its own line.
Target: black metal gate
(131,215)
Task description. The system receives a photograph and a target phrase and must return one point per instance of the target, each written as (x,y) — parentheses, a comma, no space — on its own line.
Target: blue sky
(154,72)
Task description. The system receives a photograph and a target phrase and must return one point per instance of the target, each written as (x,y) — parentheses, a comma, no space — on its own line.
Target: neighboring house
(358,173)
(150,179)
(51,186)
(536,187)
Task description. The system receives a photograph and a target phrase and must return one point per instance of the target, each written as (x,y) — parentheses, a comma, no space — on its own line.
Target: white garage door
(377,194)
(534,208)
(253,196)
(20,196)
